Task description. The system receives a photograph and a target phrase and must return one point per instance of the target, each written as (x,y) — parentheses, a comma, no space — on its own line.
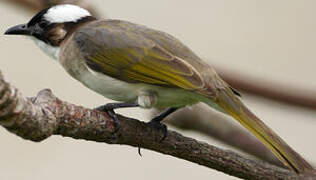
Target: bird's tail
(230,103)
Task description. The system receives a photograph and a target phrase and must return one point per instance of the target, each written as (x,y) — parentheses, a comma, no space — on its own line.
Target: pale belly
(109,87)
(116,89)
(129,92)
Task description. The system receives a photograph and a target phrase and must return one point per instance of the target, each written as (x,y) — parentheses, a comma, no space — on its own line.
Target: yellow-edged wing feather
(137,54)
(145,61)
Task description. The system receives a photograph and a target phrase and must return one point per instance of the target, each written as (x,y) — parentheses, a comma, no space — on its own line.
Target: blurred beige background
(270,39)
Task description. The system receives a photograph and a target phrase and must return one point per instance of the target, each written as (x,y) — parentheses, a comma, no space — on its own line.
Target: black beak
(21,29)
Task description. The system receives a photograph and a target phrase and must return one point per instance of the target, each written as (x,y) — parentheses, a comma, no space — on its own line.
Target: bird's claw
(106,108)
(160,126)
(109,109)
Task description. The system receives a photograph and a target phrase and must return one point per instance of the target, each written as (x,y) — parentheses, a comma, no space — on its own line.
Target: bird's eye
(43,24)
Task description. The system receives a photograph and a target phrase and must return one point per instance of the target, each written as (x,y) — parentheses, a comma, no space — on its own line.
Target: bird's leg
(156,122)
(109,108)
(112,106)
(148,99)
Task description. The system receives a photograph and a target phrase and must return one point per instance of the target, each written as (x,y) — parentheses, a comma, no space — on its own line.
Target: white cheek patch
(65,13)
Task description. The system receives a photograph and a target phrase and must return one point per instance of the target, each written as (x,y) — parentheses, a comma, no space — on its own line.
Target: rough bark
(200,118)
(39,117)
(248,144)
(251,145)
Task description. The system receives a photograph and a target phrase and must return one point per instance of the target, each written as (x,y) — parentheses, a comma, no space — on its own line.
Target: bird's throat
(50,50)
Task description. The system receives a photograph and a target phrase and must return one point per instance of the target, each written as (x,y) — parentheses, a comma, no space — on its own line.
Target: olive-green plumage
(134,64)
(159,63)
(136,54)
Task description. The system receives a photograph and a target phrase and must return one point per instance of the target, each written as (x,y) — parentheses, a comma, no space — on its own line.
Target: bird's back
(113,34)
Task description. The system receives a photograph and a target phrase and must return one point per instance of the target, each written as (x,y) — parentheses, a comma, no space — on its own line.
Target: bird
(137,66)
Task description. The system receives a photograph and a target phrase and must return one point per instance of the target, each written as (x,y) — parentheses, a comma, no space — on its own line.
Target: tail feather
(233,106)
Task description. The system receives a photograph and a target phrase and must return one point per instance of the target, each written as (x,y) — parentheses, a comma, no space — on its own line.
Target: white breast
(109,87)
(116,89)
(129,92)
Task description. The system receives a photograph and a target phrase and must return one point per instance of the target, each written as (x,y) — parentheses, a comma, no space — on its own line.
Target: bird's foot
(155,123)
(116,121)
(109,109)
(111,106)
(160,126)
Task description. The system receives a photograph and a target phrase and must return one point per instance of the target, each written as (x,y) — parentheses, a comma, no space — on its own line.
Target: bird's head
(51,26)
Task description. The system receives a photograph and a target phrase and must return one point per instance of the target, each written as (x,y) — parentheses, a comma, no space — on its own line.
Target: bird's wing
(133,58)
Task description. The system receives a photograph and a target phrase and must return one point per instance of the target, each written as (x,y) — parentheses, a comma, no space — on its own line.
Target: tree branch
(249,144)
(40,117)
(224,131)
(202,119)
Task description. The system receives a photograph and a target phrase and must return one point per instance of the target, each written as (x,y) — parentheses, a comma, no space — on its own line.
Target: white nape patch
(51,51)
(65,13)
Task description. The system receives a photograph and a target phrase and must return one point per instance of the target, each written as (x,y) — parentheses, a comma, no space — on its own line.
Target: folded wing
(131,57)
